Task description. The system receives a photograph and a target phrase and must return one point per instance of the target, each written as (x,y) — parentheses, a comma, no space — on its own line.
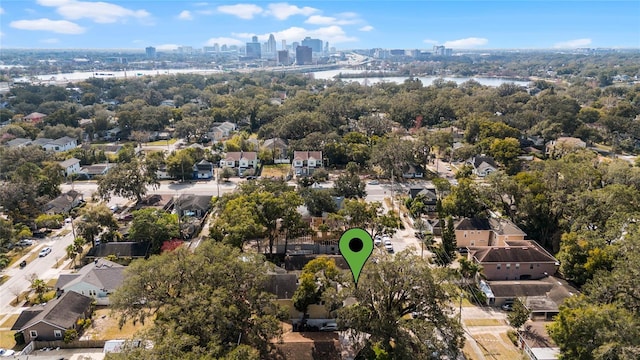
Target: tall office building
(314,44)
(304,55)
(284,44)
(283,57)
(271,45)
(151,51)
(253,49)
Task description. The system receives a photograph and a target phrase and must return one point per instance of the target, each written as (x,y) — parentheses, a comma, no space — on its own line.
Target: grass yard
(105,326)
(498,348)
(10,321)
(4,278)
(161,142)
(6,339)
(277,170)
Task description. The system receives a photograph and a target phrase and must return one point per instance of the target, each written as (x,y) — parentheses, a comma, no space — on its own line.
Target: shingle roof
(19,142)
(519,254)
(122,249)
(42,141)
(61,312)
(194,202)
(238,155)
(69,162)
(306,155)
(478,160)
(282,285)
(102,273)
(473,224)
(63,140)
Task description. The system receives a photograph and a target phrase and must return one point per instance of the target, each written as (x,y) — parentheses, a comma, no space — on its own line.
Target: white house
(64,143)
(240,160)
(70,166)
(305,162)
(97,280)
(483,165)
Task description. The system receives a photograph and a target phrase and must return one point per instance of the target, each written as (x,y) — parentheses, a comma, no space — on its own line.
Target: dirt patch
(535,334)
(496,348)
(104,326)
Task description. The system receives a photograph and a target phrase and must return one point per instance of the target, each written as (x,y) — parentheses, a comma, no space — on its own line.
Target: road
(41,267)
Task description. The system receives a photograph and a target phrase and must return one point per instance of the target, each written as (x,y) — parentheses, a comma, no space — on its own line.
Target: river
(426,80)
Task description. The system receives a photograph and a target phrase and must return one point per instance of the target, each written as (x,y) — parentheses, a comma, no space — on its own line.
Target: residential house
(220,131)
(542,297)
(18,142)
(123,249)
(428,196)
(49,322)
(113,133)
(564,145)
(97,280)
(70,166)
(59,145)
(486,232)
(91,171)
(278,148)
(35,117)
(240,160)
(306,162)
(41,142)
(203,170)
(192,205)
(516,260)
(483,165)
(412,171)
(63,203)
(162,173)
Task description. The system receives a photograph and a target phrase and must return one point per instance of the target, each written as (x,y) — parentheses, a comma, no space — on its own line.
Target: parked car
(24,242)
(507,307)
(374,182)
(329,326)
(44,252)
(23,263)
(377,241)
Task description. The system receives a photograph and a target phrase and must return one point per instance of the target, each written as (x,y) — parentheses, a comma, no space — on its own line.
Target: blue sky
(345,24)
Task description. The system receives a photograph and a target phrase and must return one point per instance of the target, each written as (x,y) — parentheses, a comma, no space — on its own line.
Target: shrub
(513,336)
(70,335)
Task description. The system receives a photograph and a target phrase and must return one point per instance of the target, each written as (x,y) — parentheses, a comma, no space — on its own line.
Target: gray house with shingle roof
(49,322)
(98,280)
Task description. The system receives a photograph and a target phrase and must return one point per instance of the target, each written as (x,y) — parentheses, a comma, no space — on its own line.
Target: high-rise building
(284,44)
(283,57)
(151,51)
(314,44)
(304,55)
(271,44)
(253,49)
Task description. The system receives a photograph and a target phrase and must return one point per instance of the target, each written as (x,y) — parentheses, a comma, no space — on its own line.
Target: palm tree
(39,287)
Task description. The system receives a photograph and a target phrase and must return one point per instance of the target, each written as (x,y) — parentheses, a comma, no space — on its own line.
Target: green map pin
(356,245)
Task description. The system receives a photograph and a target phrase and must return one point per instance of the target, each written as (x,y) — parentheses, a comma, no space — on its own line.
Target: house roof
(473,224)
(282,285)
(35,115)
(69,162)
(505,227)
(428,193)
(239,155)
(42,141)
(476,161)
(204,165)
(297,262)
(18,142)
(63,202)
(412,169)
(306,155)
(103,274)
(512,254)
(194,202)
(274,142)
(96,169)
(63,140)
(541,295)
(121,249)
(61,312)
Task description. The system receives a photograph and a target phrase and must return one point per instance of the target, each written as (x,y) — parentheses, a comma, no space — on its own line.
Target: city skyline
(167,25)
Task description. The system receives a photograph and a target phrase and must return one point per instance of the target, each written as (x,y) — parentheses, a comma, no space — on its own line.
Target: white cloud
(466,43)
(100,12)
(329,20)
(576,43)
(185,15)
(430,41)
(243,11)
(1,10)
(56,26)
(333,34)
(224,41)
(166,47)
(1,34)
(283,11)
(50,41)
(366,28)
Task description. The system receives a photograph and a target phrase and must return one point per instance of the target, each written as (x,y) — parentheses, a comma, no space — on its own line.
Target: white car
(330,326)
(389,248)
(377,241)
(44,252)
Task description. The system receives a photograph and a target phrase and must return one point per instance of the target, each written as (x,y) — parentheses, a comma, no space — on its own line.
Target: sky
(345,24)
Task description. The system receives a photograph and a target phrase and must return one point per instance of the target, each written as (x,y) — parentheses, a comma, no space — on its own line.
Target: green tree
(155,226)
(180,165)
(40,287)
(464,200)
(350,186)
(94,219)
(369,216)
(519,314)
(318,201)
(388,292)
(204,303)
(317,276)
(49,221)
(129,180)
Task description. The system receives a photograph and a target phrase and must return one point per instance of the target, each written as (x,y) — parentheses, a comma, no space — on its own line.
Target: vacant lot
(279,170)
(105,326)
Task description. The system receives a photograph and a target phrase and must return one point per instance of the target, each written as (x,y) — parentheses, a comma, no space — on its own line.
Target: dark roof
(101,273)
(282,285)
(478,160)
(474,224)
(63,202)
(429,193)
(61,312)
(297,262)
(519,254)
(121,249)
(194,202)
(26,316)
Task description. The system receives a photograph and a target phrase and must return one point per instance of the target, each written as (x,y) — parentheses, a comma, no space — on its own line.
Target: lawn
(6,339)
(498,348)
(105,326)
(10,321)
(161,142)
(278,170)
